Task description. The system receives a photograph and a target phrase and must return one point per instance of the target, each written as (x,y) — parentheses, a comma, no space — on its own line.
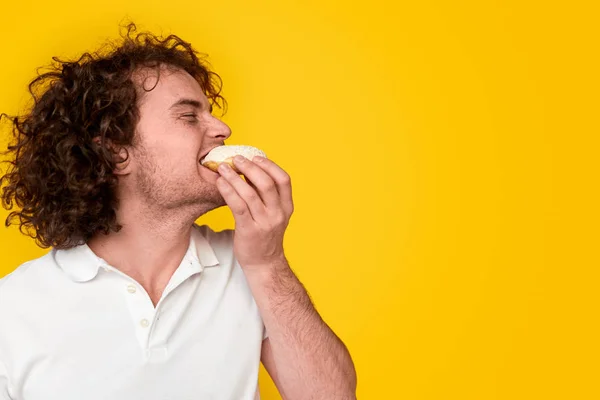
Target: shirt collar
(81,264)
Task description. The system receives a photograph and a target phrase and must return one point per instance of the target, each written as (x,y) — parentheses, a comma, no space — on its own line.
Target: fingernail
(258,159)
(240,159)
(224,167)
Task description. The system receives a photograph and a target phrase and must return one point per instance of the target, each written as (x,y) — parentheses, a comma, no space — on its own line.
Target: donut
(225,154)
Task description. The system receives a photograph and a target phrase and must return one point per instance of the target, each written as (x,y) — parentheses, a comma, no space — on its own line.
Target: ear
(123,167)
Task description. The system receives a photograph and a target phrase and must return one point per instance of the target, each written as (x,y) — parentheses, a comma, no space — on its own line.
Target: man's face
(176,129)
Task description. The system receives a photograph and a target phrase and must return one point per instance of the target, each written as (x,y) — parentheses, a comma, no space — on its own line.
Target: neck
(150,246)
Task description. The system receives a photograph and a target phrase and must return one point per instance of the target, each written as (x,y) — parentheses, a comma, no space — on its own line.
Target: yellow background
(444,164)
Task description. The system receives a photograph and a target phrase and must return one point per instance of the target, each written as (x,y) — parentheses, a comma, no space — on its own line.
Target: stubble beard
(196,197)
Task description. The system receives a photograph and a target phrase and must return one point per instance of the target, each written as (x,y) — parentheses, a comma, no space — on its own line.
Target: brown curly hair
(66,147)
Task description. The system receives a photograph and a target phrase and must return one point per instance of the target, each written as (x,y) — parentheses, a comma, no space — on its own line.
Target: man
(134,300)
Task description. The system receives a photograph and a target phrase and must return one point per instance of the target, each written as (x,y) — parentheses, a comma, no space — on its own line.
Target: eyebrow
(189,102)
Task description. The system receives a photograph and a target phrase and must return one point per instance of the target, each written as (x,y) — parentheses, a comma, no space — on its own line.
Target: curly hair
(66,146)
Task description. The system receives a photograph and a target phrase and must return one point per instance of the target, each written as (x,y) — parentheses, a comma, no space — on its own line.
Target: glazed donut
(225,154)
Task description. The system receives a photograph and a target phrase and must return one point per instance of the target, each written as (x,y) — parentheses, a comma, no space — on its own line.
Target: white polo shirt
(72,327)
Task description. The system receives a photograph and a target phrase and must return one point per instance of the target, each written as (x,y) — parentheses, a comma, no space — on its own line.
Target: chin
(207,192)
(211,195)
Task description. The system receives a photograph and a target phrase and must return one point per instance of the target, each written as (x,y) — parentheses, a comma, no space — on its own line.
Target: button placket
(144,315)
(142,311)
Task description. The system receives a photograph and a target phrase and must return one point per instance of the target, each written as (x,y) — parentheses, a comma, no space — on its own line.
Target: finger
(249,182)
(250,196)
(260,180)
(282,181)
(238,206)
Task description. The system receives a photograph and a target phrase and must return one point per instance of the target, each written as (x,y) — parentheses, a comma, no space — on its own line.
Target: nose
(218,129)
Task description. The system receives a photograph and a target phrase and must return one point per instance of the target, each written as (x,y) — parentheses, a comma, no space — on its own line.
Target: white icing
(221,153)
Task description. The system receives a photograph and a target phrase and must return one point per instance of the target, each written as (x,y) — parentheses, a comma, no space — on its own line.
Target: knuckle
(279,219)
(267,184)
(252,195)
(241,211)
(286,179)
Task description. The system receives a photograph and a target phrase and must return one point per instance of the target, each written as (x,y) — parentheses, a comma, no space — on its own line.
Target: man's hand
(305,357)
(261,205)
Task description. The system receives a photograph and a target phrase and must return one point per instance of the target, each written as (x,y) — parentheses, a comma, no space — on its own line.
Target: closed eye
(191,116)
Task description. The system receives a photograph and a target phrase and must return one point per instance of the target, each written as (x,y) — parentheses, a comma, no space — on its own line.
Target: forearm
(311,361)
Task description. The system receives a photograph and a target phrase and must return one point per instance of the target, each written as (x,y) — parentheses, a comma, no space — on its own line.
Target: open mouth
(203,166)
(203,156)
(206,168)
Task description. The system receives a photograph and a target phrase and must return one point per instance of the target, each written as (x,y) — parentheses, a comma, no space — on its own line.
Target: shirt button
(144,323)
(131,288)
